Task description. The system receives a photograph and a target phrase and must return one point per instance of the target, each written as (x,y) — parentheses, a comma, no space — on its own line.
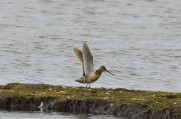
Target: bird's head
(103,68)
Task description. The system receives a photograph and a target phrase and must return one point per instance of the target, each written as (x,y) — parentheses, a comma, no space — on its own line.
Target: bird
(89,75)
(41,105)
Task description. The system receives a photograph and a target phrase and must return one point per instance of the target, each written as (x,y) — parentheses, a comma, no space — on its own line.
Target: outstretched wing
(88,60)
(79,55)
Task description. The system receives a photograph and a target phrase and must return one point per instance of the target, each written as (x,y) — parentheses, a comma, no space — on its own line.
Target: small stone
(107,93)
(63,92)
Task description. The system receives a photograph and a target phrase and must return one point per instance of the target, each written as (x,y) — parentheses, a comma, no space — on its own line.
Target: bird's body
(86,59)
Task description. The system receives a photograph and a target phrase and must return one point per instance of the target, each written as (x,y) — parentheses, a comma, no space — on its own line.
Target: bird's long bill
(110,72)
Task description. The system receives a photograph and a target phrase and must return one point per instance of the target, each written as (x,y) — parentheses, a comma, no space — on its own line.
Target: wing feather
(88,60)
(79,55)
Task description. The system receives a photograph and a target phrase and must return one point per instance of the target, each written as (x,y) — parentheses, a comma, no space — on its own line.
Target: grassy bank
(120,102)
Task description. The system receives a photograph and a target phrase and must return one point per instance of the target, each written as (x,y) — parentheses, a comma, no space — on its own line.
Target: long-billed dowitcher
(86,59)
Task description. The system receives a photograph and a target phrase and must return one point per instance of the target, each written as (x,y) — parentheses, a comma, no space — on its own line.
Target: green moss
(156,100)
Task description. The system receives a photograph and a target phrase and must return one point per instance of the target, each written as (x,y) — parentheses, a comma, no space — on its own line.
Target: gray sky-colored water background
(137,40)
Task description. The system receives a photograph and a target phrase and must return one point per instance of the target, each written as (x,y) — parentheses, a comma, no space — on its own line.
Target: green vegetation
(143,99)
(158,100)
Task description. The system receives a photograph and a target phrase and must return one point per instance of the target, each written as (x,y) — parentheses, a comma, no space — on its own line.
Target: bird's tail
(82,80)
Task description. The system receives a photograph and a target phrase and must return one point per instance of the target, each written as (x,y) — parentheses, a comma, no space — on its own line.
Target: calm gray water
(53,115)
(138,40)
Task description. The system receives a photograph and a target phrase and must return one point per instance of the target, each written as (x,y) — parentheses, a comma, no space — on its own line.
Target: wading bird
(86,59)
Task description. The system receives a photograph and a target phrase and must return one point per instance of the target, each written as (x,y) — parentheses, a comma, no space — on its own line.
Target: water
(139,41)
(53,115)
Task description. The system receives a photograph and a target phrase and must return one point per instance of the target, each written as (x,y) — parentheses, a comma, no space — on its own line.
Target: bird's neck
(99,72)
(97,75)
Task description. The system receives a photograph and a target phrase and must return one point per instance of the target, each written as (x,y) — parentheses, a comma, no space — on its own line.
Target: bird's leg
(89,85)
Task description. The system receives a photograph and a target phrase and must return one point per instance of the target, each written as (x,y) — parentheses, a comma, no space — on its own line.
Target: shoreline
(132,104)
